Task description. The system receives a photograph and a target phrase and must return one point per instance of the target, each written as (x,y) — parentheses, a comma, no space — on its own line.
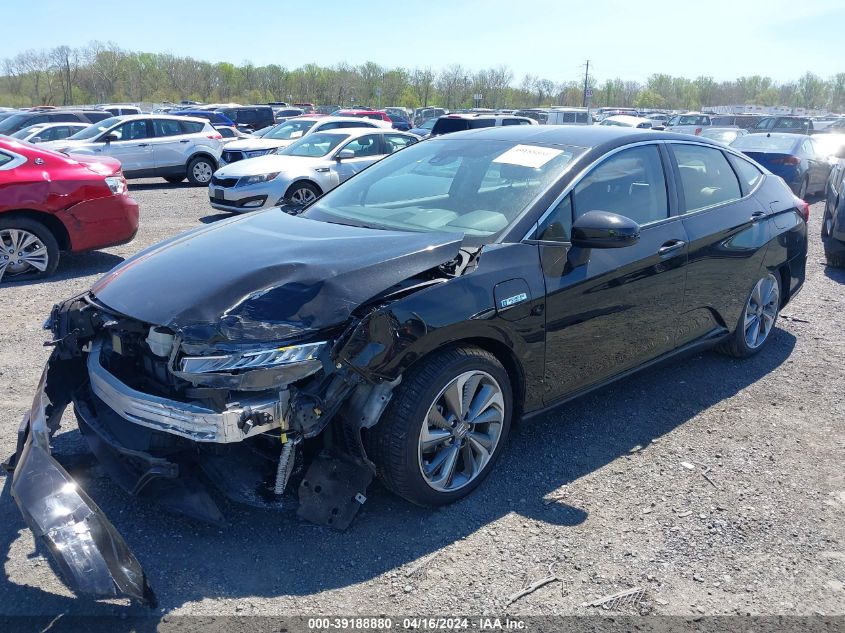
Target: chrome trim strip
(187,420)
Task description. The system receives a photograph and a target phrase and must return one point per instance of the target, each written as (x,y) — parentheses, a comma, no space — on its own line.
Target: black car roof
(577,135)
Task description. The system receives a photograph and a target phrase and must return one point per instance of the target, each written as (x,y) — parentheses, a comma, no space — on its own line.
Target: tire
(199,171)
(802,190)
(174,180)
(42,253)
(761,311)
(836,260)
(303,193)
(395,443)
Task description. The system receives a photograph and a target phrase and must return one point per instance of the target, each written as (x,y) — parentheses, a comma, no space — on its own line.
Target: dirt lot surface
(714,485)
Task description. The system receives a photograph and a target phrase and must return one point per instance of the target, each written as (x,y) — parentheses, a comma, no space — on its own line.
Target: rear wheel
(174,179)
(802,190)
(200,170)
(302,193)
(445,427)
(757,319)
(837,260)
(28,250)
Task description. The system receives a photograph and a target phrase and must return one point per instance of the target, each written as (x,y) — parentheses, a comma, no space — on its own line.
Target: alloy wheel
(461,431)
(21,252)
(761,311)
(303,195)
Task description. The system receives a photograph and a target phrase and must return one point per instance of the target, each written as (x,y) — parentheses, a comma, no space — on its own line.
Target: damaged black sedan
(398,325)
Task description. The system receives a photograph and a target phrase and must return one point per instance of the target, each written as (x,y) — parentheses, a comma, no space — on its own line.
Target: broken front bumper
(187,420)
(92,556)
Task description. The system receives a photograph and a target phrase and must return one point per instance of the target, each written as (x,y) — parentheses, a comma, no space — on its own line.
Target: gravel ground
(714,485)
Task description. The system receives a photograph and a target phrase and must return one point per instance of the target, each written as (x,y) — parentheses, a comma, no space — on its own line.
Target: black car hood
(266,276)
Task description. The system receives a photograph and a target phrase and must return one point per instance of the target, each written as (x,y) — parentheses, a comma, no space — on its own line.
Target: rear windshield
(447,126)
(764,143)
(690,119)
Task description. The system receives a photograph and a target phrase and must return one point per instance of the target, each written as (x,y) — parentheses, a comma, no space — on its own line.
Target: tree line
(103,72)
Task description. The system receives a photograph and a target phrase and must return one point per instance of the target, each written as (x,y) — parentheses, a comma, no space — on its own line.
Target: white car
(45,132)
(303,171)
(624,120)
(286,133)
(152,145)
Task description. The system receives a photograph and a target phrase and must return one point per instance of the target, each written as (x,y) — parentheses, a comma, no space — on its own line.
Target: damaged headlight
(306,353)
(258,178)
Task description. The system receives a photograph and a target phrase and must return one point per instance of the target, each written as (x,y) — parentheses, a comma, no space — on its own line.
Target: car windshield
(14,121)
(764,143)
(314,145)
(28,130)
(461,186)
(290,130)
(723,136)
(427,124)
(94,130)
(690,119)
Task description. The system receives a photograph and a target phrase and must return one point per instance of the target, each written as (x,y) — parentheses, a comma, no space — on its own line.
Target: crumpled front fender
(93,557)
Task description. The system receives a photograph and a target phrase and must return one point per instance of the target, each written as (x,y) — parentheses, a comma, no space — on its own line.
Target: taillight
(697,131)
(805,210)
(215,137)
(786,160)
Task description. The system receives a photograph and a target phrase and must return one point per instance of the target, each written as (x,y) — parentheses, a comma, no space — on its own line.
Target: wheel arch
(306,180)
(202,154)
(50,221)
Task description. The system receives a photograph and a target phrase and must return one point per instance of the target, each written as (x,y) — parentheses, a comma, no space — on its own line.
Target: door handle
(184,140)
(143,144)
(757,215)
(670,247)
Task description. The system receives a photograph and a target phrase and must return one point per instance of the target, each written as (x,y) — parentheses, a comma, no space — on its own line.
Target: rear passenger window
(166,127)
(706,176)
(395,142)
(58,118)
(748,174)
(191,127)
(510,121)
(630,183)
(5,158)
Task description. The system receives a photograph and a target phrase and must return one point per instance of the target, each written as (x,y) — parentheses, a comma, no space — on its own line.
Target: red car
(365,114)
(51,202)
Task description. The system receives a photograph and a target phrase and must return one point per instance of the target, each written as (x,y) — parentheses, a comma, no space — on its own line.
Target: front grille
(232,156)
(223,182)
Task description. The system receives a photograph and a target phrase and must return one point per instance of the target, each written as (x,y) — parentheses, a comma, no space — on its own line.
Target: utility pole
(586,79)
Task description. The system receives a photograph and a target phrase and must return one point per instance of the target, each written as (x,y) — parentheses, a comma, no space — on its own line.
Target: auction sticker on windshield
(528,155)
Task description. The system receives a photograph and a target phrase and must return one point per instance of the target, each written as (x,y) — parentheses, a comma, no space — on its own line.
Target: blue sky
(631,40)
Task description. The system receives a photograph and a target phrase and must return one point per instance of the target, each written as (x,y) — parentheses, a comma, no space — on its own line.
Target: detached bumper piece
(92,556)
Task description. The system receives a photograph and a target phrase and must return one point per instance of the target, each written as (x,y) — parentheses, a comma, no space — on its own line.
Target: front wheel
(302,193)
(445,427)
(28,250)
(200,170)
(757,319)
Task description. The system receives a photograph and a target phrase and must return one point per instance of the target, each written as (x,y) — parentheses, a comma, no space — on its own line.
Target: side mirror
(602,229)
(36,139)
(344,154)
(108,138)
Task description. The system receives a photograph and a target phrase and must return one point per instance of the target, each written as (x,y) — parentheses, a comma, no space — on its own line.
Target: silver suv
(147,146)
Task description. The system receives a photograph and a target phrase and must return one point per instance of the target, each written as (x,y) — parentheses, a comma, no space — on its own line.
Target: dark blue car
(793,157)
(215,118)
(400,123)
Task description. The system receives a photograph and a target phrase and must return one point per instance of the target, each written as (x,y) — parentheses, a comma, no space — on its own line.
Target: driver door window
(364,146)
(630,183)
(131,131)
